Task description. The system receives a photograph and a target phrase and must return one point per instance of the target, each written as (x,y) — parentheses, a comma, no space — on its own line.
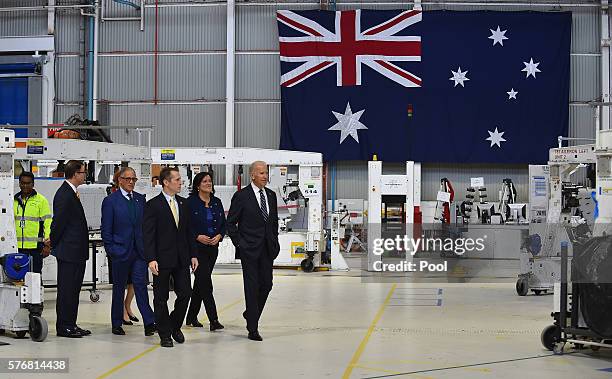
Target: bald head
(259,173)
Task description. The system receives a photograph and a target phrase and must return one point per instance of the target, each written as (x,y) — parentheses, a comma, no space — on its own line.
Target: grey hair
(254,164)
(125,169)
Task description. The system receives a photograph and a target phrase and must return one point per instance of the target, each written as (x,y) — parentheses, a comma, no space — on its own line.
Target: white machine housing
(41,157)
(20,303)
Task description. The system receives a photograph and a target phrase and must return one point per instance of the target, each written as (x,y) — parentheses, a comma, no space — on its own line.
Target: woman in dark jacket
(208,225)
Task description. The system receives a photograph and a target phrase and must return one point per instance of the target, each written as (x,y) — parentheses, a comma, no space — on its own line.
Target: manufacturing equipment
(45,158)
(297,179)
(583,301)
(556,203)
(21,292)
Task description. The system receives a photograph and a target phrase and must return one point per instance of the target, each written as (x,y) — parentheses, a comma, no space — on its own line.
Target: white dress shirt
(125,193)
(72,186)
(258,197)
(168,197)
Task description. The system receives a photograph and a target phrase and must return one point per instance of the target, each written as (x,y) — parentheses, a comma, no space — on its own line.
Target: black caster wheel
(537,292)
(38,329)
(522,287)
(94,297)
(549,337)
(21,334)
(595,347)
(307,265)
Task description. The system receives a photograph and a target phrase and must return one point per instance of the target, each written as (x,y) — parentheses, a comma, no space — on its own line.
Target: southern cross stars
(498,36)
(531,68)
(495,137)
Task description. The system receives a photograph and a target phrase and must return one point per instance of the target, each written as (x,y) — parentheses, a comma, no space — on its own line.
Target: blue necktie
(262,205)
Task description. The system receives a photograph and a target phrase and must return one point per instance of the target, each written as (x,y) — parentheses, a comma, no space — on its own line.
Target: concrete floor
(331,325)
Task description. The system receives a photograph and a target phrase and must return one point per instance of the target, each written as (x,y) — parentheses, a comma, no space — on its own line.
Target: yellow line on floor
(153,348)
(376,369)
(364,342)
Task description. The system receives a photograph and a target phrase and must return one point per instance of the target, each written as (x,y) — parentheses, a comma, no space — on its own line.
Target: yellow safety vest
(30,215)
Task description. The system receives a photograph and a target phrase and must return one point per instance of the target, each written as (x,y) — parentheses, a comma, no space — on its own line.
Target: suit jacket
(163,242)
(122,230)
(250,233)
(69,234)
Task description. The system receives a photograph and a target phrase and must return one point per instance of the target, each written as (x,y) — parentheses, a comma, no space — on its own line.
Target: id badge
(22,224)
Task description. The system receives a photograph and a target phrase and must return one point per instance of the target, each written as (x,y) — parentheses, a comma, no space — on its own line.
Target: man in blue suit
(122,215)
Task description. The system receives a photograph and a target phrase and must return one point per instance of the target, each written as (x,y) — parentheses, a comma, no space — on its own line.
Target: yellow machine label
(294,246)
(168,154)
(35,146)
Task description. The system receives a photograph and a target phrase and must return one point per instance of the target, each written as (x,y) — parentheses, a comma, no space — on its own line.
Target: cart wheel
(537,292)
(94,297)
(307,265)
(2,331)
(38,329)
(595,348)
(549,337)
(522,287)
(21,334)
(558,348)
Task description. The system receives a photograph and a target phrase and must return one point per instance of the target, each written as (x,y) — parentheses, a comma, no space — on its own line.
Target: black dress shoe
(117,330)
(255,336)
(178,336)
(127,322)
(84,332)
(216,325)
(150,329)
(195,324)
(133,318)
(166,342)
(69,333)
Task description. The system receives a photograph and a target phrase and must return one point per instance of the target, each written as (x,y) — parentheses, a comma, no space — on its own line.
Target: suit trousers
(166,323)
(203,286)
(257,280)
(136,268)
(69,281)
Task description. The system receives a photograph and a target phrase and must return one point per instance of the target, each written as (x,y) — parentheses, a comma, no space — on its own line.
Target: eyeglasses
(134,180)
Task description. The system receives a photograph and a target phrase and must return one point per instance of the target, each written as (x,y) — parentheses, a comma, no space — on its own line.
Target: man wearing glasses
(69,239)
(122,214)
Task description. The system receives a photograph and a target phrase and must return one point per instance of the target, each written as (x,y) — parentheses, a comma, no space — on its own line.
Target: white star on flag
(348,123)
(531,68)
(512,94)
(498,36)
(495,137)
(459,77)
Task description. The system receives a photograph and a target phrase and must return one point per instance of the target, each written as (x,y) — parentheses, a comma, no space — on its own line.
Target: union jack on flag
(348,47)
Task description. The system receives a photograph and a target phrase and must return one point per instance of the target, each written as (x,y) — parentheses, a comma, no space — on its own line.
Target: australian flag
(438,86)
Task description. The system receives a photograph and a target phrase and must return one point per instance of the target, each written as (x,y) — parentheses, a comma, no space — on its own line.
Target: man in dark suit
(169,249)
(122,215)
(69,239)
(252,224)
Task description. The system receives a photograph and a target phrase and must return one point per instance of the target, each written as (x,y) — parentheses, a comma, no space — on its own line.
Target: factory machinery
(583,295)
(21,291)
(45,158)
(557,202)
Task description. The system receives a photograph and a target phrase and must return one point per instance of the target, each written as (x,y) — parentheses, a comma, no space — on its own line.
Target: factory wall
(189,107)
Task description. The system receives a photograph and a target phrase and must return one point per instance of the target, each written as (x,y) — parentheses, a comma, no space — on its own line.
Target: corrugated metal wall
(191,80)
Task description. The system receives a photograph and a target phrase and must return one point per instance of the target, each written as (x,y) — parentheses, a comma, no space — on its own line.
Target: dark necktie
(129,195)
(262,205)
